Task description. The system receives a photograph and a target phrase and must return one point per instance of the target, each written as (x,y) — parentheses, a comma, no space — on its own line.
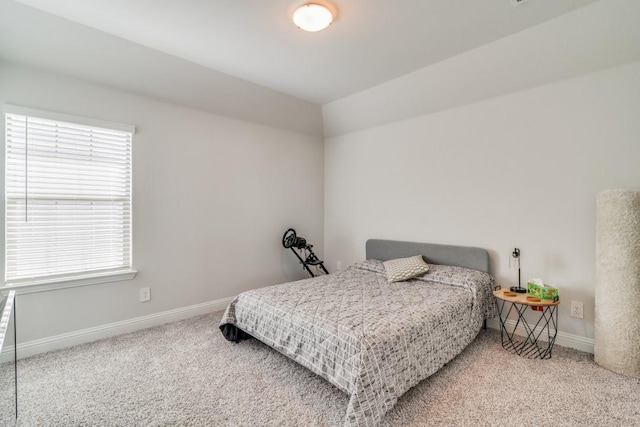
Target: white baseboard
(82,336)
(564,339)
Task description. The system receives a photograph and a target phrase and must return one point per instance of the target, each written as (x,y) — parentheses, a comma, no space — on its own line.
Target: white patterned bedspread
(372,339)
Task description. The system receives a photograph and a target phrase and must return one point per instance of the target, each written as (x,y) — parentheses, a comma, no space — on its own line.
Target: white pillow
(401,269)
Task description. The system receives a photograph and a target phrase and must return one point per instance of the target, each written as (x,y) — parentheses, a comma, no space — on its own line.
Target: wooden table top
(522,299)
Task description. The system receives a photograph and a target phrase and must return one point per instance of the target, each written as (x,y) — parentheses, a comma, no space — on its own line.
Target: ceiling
(369,43)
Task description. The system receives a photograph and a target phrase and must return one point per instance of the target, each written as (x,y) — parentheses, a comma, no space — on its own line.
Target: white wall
(41,40)
(502,146)
(595,37)
(212,197)
(519,170)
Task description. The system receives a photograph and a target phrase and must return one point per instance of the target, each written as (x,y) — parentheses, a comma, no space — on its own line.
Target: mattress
(372,339)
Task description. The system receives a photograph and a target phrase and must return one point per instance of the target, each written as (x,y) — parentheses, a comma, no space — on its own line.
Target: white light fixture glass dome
(312,17)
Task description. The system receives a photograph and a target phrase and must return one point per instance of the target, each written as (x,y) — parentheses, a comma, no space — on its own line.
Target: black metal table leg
(529,345)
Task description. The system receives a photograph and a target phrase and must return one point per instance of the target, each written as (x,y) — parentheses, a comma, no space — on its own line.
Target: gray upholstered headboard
(460,256)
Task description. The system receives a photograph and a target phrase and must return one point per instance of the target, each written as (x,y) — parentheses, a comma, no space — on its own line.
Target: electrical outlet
(577,309)
(145,294)
(339,265)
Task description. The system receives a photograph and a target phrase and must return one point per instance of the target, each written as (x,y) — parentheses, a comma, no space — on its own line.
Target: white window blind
(68,199)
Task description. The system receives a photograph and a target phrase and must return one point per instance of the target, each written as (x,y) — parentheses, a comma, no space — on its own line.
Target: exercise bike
(304,253)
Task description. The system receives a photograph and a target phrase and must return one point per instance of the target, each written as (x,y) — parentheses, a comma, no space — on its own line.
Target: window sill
(44,285)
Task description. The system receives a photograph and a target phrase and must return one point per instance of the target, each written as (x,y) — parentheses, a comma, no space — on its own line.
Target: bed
(372,339)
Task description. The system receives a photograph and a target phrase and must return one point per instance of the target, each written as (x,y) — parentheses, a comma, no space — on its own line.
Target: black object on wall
(303,251)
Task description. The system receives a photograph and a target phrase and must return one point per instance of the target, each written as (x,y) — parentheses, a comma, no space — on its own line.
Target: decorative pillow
(401,269)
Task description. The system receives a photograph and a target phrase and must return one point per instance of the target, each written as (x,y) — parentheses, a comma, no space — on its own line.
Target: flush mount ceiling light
(312,17)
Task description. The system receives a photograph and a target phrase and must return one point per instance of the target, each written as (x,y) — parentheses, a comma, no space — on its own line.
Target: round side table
(530,345)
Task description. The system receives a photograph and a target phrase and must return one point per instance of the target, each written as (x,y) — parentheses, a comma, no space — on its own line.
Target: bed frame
(459,256)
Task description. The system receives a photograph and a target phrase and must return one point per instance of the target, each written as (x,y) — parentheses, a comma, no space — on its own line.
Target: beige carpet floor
(186,374)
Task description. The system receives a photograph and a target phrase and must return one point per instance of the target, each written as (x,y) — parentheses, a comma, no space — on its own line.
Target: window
(67,198)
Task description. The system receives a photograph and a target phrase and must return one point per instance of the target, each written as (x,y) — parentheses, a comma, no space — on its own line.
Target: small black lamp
(515,262)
